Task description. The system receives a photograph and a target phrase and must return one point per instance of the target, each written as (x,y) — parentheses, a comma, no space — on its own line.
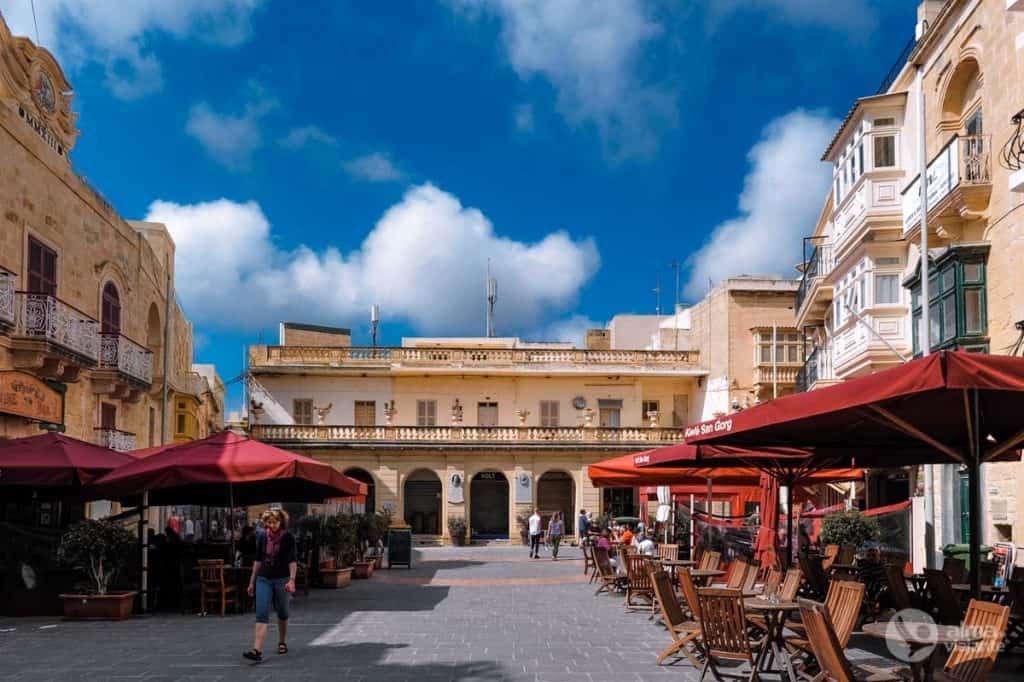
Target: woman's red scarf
(273,544)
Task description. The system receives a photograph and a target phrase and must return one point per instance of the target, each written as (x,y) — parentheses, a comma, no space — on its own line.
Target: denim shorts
(271,592)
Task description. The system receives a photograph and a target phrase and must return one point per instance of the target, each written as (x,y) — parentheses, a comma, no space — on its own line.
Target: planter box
(335,578)
(362,569)
(378,561)
(326,565)
(111,606)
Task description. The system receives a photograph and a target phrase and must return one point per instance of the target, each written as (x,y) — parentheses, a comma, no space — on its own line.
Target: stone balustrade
(118,352)
(45,317)
(297,433)
(784,373)
(115,439)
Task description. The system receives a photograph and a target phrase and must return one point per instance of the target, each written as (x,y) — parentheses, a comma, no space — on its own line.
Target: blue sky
(310,162)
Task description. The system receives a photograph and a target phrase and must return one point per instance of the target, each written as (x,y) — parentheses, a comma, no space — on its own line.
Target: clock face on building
(43,92)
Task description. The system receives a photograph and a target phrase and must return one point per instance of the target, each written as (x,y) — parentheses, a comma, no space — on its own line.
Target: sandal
(253,655)
(282,648)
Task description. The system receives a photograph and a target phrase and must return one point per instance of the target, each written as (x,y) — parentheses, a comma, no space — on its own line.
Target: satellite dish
(579,402)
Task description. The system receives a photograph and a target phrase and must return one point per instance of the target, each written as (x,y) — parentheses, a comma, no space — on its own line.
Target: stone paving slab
(459,614)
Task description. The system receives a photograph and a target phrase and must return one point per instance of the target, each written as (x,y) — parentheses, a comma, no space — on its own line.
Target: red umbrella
(769,514)
(53,461)
(226,469)
(952,406)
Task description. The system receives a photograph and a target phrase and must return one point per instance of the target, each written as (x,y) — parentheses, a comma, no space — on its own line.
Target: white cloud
(571,329)
(375,167)
(524,118)
(780,203)
(116,34)
(590,51)
(299,137)
(231,139)
(424,262)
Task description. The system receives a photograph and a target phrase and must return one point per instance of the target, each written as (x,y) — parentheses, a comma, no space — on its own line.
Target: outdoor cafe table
(988,592)
(702,575)
(675,564)
(775,615)
(918,637)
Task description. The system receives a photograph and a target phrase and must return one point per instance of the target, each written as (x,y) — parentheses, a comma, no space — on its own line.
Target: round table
(989,592)
(674,564)
(703,574)
(775,616)
(920,636)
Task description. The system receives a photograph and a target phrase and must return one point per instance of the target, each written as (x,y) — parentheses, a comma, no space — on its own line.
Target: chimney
(926,13)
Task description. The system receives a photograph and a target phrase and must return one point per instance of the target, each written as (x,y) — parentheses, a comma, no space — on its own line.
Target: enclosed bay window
(887,289)
(957,305)
(885,151)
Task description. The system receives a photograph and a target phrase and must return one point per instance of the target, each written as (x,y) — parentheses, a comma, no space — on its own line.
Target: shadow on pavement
(366,661)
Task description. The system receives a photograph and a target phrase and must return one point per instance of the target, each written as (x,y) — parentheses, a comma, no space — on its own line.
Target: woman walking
(272,581)
(556,529)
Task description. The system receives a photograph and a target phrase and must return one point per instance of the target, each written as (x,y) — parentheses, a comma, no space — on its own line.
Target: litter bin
(963,552)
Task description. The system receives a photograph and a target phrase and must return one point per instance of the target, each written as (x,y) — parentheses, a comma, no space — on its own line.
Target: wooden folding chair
(772,580)
(973,662)
(611,582)
(736,576)
(956,569)
(724,632)
(639,591)
(750,579)
(589,565)
(685,633)
(843,605)
(899,595)
(945,602)
(829,653)
(668,551)
(829,557)
(211,583)
(689,590)
(815,580)
(710,561)
(790,584)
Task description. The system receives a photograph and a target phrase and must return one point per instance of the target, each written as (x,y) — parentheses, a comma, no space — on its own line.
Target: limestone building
(84,315)
(487,428)
(860,298)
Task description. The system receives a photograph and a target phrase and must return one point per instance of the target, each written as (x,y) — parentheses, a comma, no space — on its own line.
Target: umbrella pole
(231,519)
(974,497)
(144,541)
(789,520)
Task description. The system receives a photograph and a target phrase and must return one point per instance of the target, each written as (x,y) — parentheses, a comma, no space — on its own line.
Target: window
(42,268)
(957,306)
(426,413)
(885,151)
(882,122)
(887,289)
(108,416)
(365,413)
(649,406)
(609,413)
(487,414)
(549,413)
(787,347)
(179,424)
(302,410)
(111,309)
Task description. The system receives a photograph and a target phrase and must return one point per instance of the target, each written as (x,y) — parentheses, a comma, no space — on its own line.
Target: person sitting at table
(646,545)
(626,537)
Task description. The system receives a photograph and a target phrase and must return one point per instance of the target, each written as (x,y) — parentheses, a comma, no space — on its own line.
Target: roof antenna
(374,323)
(492,298)
(657,295)
(34,20)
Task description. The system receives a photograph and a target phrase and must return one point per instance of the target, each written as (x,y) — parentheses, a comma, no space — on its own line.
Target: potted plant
(100,549)
(339,537)
(457,530)
(848,528)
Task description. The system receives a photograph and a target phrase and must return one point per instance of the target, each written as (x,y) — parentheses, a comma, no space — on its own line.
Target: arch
(488,505)
(960,92)
(364,476)
(556,491)
(421,495)
(110,307)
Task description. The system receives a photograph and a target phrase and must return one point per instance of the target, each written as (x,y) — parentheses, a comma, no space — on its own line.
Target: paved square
(481,613)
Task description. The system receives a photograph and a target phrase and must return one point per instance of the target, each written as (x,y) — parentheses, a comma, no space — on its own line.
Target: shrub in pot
(100,548)
(340,538)
(848,528)
(457,530)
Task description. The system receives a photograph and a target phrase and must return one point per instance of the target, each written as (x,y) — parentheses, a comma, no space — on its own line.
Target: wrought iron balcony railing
(115,439)
(1012,155)
(118,352)
(6,298)
(45,317)
(292,433)
(817,367)
(818,265)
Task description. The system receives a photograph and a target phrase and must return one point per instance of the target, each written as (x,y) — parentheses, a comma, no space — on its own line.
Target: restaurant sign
(23,395)
(708,428)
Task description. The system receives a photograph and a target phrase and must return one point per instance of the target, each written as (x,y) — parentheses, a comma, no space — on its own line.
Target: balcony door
(42,268)
(365,413)
(609,413)
(487,414)
(108,416)
(111,309)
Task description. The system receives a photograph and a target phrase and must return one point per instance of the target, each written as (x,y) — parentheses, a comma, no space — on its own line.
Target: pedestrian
(535,534)
(583,525)
(272,581)
(556,529)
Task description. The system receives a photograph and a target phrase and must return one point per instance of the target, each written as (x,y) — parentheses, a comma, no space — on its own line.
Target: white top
(535,524)
(646,546)
(190,527)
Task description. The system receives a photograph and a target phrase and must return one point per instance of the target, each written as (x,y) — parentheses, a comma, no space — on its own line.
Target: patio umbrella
(949,407)
(52,464)
(769,517)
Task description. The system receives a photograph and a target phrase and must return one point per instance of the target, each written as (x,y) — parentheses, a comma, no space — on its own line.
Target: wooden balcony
(466,360)
(53,339)
(572,437)
(125,368)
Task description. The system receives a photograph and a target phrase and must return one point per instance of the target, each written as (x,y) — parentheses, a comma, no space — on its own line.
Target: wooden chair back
(897,587)
(973,662)
(667,551)
(724,624)
(814,574)
(956,569)
(824,643)
(750,579)
(637,574)
(211,572)
(737,572)
(790,585)
(604,563)
(843,605)
(772,581)
(710,561)
(689,589)
(944,599)
(829,558)
(671,610)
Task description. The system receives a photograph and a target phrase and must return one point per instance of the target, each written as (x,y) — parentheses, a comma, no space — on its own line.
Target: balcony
(573,437)
(115,439)
(468,360)
(1012,155)
(125,368)
(6,300)
(192,383)
(813,289)
(53,339)
(959,184)
(784,374)
(817,368)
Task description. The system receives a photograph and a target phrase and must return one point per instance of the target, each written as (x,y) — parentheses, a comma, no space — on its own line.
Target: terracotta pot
(378,561)
(110,606)
(362,569)
(458,540)
(326,564)
(335,578)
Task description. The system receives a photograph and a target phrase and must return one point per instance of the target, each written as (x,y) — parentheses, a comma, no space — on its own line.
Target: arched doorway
(556,492)
(423,502)
(488,500)
(363,476)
